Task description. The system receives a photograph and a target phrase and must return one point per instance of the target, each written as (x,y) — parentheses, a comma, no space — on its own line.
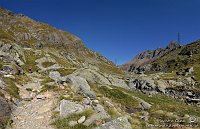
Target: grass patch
(22,79)
(110,69)
(11,88)
(62,123)
(49,88)
(47,64)
(1,94)
(30,61)
(116,95)
(72,96)
(165,103)
(46,80)
(65,72)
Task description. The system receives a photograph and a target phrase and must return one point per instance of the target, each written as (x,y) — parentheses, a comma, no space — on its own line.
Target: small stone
(95,102)
(86,101)
(108,104)
(82,119)
(72,123)
(41,97)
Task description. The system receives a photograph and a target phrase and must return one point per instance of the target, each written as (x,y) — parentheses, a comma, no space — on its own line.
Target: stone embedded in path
(68,107)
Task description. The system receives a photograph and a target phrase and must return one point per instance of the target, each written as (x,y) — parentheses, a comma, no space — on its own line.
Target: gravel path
(33,114)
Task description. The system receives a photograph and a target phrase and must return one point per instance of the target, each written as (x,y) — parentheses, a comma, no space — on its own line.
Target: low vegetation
(30,63)
(11,88)
(116,95)
(62,123)
(47,64)
(65,71)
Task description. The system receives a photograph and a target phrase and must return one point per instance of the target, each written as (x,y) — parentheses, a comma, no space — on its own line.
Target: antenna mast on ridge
(179,38)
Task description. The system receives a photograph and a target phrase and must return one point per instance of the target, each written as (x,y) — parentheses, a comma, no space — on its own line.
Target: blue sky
(118,29)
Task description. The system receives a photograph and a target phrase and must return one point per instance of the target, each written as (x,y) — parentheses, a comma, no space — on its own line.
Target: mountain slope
(148,56)
(27,46)
(49,79)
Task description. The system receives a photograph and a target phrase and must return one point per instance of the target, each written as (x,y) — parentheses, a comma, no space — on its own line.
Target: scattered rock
(82,119)
(55,75)
(9,76)
(100,114)
(72,123)
(41,97)
(5,111)
(68,107)
(81,85)
(86,101)
(144,105)
(95,102)
(188,71)
(108,104)
(27,98)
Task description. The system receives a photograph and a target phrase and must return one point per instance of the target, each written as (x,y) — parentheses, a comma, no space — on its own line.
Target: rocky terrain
(177,68)
(49,79)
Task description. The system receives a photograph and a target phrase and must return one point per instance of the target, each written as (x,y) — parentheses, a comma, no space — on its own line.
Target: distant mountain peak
(149,55)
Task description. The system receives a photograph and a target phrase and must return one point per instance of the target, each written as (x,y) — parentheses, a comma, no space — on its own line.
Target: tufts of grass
(62,123)
(72,96)
(166,103)
(1,94)
(30,61)
(110,69)
(117,96)
(47,64)
(11,88)
(5,35)
(46,80)
(49,88)
(65,72)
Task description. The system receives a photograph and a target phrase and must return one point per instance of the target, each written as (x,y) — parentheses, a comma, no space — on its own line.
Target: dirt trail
(35,113)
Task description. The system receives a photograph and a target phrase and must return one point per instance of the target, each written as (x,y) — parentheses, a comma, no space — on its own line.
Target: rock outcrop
(68,107)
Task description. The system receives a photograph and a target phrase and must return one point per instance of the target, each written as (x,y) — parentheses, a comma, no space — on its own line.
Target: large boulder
(100,114)
(55,75)
(68,108)
(92,76)
(100,78)
(142,84)
(12,53)
(117,82)
(119,123)
(81,85)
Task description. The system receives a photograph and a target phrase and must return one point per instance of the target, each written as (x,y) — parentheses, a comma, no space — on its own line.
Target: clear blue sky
(118,29)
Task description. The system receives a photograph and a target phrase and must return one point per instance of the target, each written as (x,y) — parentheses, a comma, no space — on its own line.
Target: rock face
(143,85)
(80,85)
(119,123)
(100,78)
(100,114)
(68,107)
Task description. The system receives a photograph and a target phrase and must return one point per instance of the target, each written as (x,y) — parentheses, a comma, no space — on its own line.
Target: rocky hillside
(50,80)
(147,57)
